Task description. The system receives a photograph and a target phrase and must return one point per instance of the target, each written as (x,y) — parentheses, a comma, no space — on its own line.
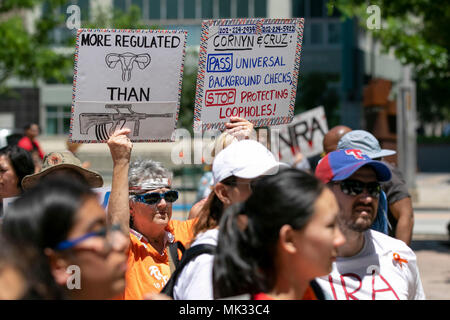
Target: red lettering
(263,110)
(220,97)
(330,279)
(351,294)
(389,288)
(209,98)
(356,153)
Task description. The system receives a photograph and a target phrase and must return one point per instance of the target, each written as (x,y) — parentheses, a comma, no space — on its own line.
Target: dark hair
(29,125)
(41,218)
(32,269)
(44,214)
(21,162)
(244,260)
(212,210)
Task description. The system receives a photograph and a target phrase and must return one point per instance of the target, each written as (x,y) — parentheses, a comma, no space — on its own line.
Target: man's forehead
(145,191)
(366,173)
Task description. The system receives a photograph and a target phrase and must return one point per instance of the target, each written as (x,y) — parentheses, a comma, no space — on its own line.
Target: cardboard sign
(247,68)
(127,78)
(304,134)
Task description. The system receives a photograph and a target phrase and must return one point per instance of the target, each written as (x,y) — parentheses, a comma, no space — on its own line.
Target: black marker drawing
(101,120)
(127,61)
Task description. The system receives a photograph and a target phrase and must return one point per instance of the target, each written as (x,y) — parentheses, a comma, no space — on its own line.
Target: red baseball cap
(341,164)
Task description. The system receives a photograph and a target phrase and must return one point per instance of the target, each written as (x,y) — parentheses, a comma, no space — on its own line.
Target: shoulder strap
(174,261)
(189,255)
(317,290)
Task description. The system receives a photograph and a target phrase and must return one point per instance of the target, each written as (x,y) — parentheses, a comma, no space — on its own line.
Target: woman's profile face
(318,241)
(8,179)
(101,260)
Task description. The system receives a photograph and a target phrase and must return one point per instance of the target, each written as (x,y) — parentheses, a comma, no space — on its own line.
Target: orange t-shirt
(148,271)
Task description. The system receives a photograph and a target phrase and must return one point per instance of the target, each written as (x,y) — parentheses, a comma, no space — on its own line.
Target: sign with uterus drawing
(127,79)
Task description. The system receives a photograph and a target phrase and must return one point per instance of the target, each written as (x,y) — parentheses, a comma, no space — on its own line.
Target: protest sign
(304,134)
(247,68)
(127,78)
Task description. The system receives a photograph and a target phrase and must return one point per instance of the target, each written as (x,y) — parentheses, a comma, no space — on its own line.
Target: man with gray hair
(141,202)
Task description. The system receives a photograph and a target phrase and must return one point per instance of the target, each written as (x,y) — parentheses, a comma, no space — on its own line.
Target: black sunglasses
(155,197)
(355,187)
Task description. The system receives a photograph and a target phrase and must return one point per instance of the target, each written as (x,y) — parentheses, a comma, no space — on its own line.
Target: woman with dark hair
(279,240)
(81,258)
(15,163)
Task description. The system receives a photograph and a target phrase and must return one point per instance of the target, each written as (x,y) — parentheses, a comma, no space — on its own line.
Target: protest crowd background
(223,154)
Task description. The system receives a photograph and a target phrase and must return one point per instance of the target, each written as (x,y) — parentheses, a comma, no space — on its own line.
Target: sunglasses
(356,187)
(107,233)
(155,197)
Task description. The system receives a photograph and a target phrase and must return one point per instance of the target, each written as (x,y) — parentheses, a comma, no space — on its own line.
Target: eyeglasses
(109,235)
(155,197)
(355,187)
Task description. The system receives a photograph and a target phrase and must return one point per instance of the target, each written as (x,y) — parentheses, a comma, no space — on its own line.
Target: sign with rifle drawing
(127,79)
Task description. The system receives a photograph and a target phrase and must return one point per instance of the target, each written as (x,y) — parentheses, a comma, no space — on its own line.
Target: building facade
(330,45)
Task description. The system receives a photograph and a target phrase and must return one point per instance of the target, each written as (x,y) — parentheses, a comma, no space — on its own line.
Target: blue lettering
(233,81)
(259,62)
(221,62)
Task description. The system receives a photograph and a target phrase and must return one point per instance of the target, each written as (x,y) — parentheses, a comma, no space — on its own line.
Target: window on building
(172,9)
(317,8)
(316,35)
(57,120)
(84,9)
(154,9)
(298,8)
(207,9)
(242,9)
(197,9)
(260,8)
(189,9)
(334,32)
(224,9)
(120,5)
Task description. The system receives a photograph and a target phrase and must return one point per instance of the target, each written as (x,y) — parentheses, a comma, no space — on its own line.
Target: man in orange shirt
(141,202)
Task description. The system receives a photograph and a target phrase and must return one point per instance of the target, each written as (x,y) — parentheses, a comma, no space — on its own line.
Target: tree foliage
(417,31)
(27,54)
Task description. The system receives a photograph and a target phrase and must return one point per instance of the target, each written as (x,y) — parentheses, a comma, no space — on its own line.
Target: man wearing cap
(400,211)
(370,265)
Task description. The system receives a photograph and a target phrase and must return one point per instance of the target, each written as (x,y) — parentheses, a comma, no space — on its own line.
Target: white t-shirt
(385,269)
(195,280)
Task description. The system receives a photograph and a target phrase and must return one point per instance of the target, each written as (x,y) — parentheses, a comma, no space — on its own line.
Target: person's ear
(58,266)
(287,239)
(222,193)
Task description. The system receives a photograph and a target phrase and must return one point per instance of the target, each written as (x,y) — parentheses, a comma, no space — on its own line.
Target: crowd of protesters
(260,229)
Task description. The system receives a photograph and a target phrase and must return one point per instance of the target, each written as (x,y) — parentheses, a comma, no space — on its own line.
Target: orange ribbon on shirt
(399,260)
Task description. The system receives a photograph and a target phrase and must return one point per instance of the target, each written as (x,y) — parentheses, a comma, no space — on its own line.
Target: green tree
(417,31)
(26,54)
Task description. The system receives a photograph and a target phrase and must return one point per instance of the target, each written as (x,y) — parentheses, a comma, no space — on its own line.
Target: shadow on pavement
(442,246)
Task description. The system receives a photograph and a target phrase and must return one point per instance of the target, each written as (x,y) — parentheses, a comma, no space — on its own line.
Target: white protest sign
(304,134)
(247,68)
(127,78)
